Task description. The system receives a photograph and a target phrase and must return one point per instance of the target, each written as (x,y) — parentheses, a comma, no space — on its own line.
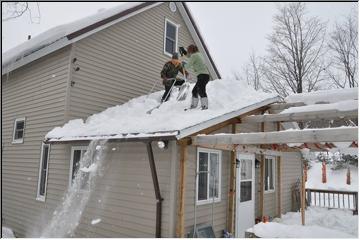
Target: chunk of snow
(91,168)
(7,232)
(95,221)
(98,147)
(225,96)
(113,149)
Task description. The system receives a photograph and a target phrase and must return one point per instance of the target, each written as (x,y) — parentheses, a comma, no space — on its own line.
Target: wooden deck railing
(332,199)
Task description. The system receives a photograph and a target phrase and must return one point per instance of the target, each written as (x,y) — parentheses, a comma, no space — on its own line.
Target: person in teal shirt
(197,64)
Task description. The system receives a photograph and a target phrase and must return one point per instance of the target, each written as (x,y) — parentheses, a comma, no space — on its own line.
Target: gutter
(159,199)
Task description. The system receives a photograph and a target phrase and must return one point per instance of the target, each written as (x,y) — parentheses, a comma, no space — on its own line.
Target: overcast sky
(231,30)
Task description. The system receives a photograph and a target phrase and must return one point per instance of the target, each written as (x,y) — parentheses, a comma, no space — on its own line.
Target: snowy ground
(7,232)
(336,179)
(319,223)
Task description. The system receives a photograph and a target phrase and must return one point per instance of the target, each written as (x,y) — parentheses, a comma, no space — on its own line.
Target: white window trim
(72,160)
(17,141)
(176,36)
(209,200)
(38,196)
(273,170)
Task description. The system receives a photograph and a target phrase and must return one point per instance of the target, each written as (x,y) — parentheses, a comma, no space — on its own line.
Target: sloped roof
(228,98)
(63,35)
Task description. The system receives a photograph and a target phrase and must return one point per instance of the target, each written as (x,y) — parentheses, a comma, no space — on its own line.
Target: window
(43,172)
(170,37)
(209,176)
(269,181)
(77,154)
(19,127)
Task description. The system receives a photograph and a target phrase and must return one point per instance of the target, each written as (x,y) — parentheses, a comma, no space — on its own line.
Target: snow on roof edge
(125,137)
(54,34)
(211,122)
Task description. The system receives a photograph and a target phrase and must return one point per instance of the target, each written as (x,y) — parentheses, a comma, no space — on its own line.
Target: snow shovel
(152,109)
(184,90)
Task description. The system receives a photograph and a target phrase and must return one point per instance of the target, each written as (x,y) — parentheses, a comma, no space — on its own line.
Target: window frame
(20,140)
(74,148)
(39,197)
(209,199)
(273,173)
(176,36)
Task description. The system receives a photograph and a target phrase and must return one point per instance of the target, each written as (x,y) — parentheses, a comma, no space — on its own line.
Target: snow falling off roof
(55,34)
(324,96)
(225,95)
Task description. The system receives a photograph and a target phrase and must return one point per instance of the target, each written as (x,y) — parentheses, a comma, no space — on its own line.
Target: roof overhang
(214,121)
(126,137)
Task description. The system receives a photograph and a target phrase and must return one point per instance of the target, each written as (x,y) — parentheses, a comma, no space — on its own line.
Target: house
(73,71)
(148,191)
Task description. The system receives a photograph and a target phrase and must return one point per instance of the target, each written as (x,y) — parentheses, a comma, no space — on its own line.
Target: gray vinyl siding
(127,206)
(37,93)
(122,61)
(204,212)
(291,172)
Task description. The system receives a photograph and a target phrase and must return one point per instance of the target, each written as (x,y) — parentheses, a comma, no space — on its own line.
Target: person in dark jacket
(197,64)
(169,75)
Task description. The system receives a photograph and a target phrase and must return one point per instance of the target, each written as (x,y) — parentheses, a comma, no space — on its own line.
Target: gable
(71,37)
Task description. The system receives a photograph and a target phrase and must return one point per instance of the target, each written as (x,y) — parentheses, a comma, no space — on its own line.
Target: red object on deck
(348,177)
(323,169)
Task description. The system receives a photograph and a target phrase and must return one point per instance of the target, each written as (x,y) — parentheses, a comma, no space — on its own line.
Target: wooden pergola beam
(181,207)
(301,116)
(341,134)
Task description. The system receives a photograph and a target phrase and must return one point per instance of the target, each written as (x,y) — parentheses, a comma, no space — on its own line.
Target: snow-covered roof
(55,34)
(228,98)
(63,35)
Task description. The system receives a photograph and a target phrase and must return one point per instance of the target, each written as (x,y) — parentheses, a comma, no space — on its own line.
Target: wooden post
(180,220)
(302,194)
(279,178)
(232,189)
(262,174)
(279,186)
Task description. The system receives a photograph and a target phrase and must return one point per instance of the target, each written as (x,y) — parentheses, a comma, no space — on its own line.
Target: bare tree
(293,63)
(12,10)
(253,71)
(344,45)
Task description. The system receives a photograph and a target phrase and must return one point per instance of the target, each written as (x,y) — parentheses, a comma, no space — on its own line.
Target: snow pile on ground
(319,223)
(336,179)
(55,34)
(225,95)
(7,232)
(329,96)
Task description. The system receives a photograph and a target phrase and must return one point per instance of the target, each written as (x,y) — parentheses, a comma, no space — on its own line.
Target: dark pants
(168,86)
(200,86)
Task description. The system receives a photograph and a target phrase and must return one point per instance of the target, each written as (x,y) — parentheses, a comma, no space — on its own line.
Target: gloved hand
(182,51)
(164,81)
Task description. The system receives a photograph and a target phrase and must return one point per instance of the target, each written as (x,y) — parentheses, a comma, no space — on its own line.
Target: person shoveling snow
(197,64)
